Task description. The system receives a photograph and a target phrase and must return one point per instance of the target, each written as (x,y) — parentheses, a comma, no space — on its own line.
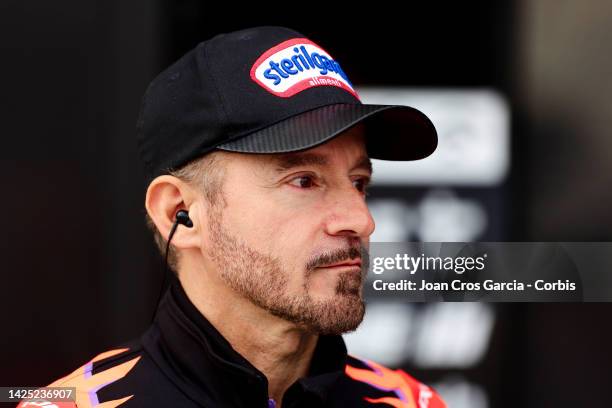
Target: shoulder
(100,371)
(391,386)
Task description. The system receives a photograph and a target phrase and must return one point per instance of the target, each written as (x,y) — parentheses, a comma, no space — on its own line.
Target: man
(257,151)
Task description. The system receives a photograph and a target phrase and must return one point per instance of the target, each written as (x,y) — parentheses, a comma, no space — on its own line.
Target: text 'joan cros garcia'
(295,65)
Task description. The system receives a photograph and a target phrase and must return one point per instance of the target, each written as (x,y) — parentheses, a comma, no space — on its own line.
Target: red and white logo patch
(295,65)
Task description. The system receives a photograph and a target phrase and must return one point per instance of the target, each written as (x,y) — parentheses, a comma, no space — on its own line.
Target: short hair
(204,173)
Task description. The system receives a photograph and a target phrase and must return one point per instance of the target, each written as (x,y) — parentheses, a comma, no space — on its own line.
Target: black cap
(265,90)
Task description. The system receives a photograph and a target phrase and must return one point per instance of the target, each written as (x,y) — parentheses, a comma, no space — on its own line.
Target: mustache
(340,255)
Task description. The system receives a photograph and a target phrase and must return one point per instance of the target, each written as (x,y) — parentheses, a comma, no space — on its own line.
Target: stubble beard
(261,279)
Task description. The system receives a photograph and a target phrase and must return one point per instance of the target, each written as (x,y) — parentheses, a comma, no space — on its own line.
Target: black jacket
(183,361)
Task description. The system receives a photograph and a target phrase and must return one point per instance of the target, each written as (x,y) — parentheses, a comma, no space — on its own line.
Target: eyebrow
(364,163)
(293,160)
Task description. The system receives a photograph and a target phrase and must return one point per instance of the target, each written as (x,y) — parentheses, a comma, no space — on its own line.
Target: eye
(303,181)
(361,184)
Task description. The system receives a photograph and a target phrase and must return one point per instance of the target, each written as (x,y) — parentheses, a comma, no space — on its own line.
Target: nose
(349,214)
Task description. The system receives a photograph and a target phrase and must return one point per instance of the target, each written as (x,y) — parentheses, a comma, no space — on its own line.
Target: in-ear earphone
(181,217)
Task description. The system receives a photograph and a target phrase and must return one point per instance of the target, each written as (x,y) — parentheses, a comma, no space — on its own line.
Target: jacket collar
(203,364)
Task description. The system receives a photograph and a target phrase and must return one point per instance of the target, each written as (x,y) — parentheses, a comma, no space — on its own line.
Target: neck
(276,347)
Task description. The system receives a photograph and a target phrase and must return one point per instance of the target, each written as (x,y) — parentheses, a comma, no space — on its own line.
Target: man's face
(291,232)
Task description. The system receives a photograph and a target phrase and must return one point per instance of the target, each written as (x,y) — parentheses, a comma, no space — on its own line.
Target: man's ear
(166,195)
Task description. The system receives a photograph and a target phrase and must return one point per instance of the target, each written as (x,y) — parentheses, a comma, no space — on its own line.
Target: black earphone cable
(182,217)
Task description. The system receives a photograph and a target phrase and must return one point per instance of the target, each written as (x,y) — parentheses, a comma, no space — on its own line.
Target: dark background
(80,272)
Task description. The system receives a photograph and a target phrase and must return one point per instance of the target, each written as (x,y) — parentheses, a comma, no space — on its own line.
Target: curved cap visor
(393,132)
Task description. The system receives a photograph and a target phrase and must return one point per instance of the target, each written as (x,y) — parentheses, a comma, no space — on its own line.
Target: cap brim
(393,132)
